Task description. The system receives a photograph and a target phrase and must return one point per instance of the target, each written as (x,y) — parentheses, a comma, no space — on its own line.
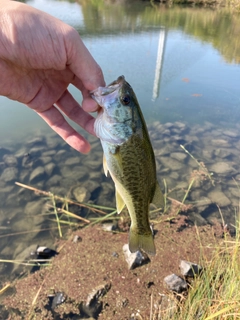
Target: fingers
(56,121)
(73,111)
(82,64)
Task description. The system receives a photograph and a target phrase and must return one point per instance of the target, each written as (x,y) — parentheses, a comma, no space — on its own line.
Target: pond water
(183,64)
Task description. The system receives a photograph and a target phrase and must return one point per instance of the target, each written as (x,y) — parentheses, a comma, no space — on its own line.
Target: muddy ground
(97,260)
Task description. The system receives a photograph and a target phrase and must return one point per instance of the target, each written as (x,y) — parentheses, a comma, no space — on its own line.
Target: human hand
(39,57)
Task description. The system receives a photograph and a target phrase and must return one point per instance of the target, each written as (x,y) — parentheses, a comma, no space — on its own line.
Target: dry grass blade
(49,194)
(5,288)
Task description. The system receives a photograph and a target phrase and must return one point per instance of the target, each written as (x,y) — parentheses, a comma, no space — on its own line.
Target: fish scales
(129,157)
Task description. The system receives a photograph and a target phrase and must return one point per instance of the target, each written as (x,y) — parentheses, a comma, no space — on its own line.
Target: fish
(129,158)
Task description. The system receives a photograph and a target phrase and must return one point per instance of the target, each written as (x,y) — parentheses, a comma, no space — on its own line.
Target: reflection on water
(182,64)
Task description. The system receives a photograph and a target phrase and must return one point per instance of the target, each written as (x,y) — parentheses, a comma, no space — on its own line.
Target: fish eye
(126,100)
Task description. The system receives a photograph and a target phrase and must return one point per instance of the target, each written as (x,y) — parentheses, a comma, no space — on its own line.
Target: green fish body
(129,158)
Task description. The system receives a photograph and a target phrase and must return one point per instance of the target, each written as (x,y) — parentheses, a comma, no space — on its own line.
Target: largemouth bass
(129,158)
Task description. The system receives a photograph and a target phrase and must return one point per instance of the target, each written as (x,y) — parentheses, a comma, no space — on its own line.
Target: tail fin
(141,241)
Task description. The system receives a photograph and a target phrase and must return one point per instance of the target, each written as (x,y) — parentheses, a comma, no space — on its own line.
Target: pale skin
(39,57)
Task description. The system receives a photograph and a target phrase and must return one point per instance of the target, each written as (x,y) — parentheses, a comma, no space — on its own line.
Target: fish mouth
(104,91)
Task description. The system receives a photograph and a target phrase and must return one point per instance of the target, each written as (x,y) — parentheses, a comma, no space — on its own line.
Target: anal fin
(158,198)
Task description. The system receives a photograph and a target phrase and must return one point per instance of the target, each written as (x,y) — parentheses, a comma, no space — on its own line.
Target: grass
(215,294)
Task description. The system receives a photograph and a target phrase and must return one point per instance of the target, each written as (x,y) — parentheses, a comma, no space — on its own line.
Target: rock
(4,151)
(45,160)
(180,156)
(219,198)
(78,173)
(197,219)
(9,174)
(24,174)
(81,194)
(43,253)
(171,163)
(92,307)
(93,164)
(36,152)
(222,168)
(235,192)
(135,259)
(54,180)
(231,133)
(189,269)
(71,161)
(34,207)
(223,153)
(10,160)
(220,143)
(27,161)
(77,239)
(49,168)
(175,283)
(109,227)
(58,299)
(60,155)
(48,154)
(91,185)
(37,174)
(37,141)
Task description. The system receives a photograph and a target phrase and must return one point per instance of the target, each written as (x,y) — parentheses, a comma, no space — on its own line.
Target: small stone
(71,161)
(175,283)
(231,133)
(27,160)
(58,299)
(171,163)
(91,185)
(9,174)
(38,141)
(10,160)
(45,160)
(178,156)
(219,198)
(92,307)
(109,227)
(189,269)
(4,151)
(34,208)
(221,143)
(49,168)
(222,168)
(77,238)
(36,152)
(37,175)
(81,194)
(54,180)
(135,259)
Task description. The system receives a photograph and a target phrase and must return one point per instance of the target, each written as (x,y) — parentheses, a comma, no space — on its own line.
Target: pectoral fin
(105,166)
(119,202)
(158,199)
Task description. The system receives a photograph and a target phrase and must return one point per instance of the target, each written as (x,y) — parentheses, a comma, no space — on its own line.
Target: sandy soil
(98,260)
